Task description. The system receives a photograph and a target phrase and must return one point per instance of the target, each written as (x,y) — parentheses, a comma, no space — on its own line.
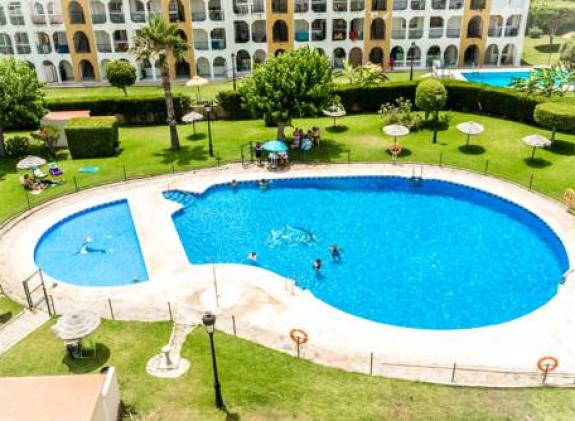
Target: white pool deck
(266,306)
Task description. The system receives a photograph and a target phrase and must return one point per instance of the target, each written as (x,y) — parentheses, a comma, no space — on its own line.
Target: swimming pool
(501,79)
(96,247)
(428,254)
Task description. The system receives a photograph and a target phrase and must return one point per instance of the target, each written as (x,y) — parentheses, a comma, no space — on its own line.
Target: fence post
(486,166)
(75,184)
(371,363)
(545,374)
(453,373)
(53,306)
(27,200)
(440,158)
(124,170)
(111,309)
(216,286)
(173,169)
(349,156)
(531,181)
(46,299)
(234,324)
(170,311)
(218,159)
(27,293)
(297,345)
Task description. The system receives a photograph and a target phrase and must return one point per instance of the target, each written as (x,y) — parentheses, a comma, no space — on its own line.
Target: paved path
(19,328)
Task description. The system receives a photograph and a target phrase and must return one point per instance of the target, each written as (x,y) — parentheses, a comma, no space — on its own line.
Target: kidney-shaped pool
(422,254)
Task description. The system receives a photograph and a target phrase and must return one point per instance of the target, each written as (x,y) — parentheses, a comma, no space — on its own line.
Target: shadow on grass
(327,152)
(472,149)
(184,155)
(537,162)
(404,153)
(87,365)
(337,129)
(548,48)
(561,147)
(4,317)
(231,416)
(197,136)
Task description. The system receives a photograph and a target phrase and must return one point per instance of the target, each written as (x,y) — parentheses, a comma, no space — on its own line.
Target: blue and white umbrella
(275,146)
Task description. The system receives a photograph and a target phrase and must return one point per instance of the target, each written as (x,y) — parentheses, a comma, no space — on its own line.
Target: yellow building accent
(86,27)
(466,42)
(186,27)
(384,44)
(271,19)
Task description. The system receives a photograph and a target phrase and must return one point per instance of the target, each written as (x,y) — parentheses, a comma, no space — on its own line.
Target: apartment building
(73,40)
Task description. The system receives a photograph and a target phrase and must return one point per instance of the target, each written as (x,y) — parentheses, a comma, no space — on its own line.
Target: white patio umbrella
(30,162)
(196,82)
(536,141)
(192,117)
(76,325)
(334,112)
(470,128)
(395,130)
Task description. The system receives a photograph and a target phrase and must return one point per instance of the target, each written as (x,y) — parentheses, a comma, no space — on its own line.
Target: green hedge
(555,116)
(92,137)
(149,109)
(231,104)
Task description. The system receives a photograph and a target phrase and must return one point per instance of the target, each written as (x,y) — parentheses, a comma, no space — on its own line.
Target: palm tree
(161,42)
(348,71)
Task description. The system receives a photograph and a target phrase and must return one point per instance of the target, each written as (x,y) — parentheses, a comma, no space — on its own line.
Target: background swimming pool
(502,79)
(110,257)
(430,255)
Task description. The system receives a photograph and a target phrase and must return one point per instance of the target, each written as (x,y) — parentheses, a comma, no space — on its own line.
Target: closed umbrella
(395,130)
(275,146)
(470,128)
(334,112)
(536,141)
(76,325)
(196,82)
(192,117)
(30,162)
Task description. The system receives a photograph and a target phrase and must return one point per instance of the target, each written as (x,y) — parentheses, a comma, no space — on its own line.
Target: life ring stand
(547,363)
(569,197)
(395,149)
(299,336)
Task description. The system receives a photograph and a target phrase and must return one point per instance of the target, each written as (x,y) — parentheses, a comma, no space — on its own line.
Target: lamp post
(411,55)
(234,71)
(438,97)
(208,109)
(209,321)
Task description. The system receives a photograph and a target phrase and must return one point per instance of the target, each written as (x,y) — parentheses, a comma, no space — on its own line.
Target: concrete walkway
(20,327)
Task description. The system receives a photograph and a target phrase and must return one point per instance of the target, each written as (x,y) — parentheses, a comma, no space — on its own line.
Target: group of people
(275,159)
(37,184)
(305,141)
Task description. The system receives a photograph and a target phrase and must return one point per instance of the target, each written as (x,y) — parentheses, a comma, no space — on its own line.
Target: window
(2,16)
(5,44)
(15,13)
(22,43)
(116,13)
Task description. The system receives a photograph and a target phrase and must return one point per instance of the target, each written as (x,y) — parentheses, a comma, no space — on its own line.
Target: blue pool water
(501,79)
(96,247)
(431,255)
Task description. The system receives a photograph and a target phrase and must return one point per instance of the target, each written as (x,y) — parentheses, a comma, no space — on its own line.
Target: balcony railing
(98,18)
(398,33)
(473,34)
(117,17)
(455,4)
(104,47)
(495,32)
(302,36)
(435,32)
(511,32)
(199,16)
(477,4)
(201,45)
(453,32)
(6,50)
(218,44)
(23,49)
(77,18)
(44,48)
(121,46)
(138,17)
(55,19)
(417,4)
(399,4)
(62,49)
(216,15)
(438,4)
(241,9)
(338,35)
(257,8)
(415,33)
(38,19)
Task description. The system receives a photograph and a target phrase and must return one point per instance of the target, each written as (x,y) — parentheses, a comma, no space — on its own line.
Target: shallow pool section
(96,247)
(421,254)
(501,79)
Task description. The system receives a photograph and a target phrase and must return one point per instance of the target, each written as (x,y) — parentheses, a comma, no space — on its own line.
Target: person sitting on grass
(30,184)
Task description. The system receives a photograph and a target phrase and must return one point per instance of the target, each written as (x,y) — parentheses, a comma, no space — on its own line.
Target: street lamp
(411,55)
(234,71)
(209,321)
(208,109)
(438,97)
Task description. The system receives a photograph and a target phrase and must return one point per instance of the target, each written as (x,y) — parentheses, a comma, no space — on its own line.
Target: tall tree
(551,16)
(161,42)
(21,97)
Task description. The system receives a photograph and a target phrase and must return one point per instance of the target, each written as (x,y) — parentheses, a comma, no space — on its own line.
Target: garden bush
(17,146)
(400,112)
(555,116)
(425,96)
(92,137)
(231,104)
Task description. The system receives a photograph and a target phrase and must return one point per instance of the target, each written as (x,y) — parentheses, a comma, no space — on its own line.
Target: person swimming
(85,247)
(234,183)
(253,256)
(335,252)
(317,265)
(263,183)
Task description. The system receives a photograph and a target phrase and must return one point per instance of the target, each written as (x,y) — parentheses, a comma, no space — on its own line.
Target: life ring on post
(395,149)
(569,197)
(547,363)
(298,336)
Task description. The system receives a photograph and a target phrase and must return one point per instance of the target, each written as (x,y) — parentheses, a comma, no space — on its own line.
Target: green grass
(8,309)
(146,151)
(259,383)
(538,51)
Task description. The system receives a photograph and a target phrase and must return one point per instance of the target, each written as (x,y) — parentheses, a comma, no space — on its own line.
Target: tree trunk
(172,123)
(2,147)
(280,133)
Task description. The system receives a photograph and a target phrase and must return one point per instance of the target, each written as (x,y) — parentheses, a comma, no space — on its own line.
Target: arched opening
(414,56)
(355,57)
(259,31)
(98,12)
(495,26)
(38,16)
(103,65)
(241,31)
(416,27)
(377,30)
(201,41)
(475,27)
(471,56)
(453,27)
(450,56)
(22,43)
(435,27)
(398,28)
(199,11)
(301,30)
(146,71)
(138,11)
(301,6)
(433,53)
(15,13)
(339,30)
(340,5)
(60,42)
(396,56)
(44,46)
(338,58)
(116,12)
(218,37)
(182,69)
(512,25)
(318,30)
(203,67)
(356,29)
(76,13)
(280,31)
(86,70)
(259,57)
(65,70)
(103,42)
(176,11)
(376,55)
(492,55)
(81,43)
(508,55)
(243,61)
(215,9)
(50,72)
(6,44)
(219,67)
(279,52)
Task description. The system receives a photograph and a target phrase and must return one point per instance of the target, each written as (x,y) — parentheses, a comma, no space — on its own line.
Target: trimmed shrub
(425,96)
(17,146)
(555,116)
(121,74)
(231,104)
(149,109)
(92,137)
(357,99)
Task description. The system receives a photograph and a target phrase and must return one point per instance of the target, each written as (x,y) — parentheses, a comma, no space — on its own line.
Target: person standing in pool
(335,253)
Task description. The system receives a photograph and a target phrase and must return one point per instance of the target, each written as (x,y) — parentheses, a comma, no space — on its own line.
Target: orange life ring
(569,196)
(395,149)
(547,363)
(298,336)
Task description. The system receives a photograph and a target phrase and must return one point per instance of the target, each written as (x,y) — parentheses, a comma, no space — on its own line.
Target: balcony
(104,47)
(38,19)
(301,6)
(241,9)
(319,6)
(63,49)
(43,48)
(201,45)
(478,4)
(218,44)
(435,32)
(199,16)
(495,32)
(398,34)
(257,8)
(121,46)
(138,17)
(77,18)
(117,17)
(511,32)
(417,4)
(55,19)
(399,4)
(453,32)
(98,18)
(216,15)
(302,36)
(438,4)
(455,4)
(415,33)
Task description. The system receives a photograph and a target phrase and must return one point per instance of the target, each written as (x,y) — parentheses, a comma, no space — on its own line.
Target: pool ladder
(567,275)
(416,179)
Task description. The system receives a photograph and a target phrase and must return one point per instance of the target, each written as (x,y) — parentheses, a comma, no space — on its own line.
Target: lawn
(8,309)
(538,51)
(259,383)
